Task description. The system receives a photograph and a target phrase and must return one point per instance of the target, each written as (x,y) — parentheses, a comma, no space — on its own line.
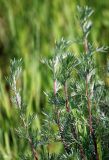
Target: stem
(86,45)
(61,133)
(72,128)
(75,135)
(82,152)
(58,122)
(89,107)
(66,98)
(55,87)
(35,155)
(17,95)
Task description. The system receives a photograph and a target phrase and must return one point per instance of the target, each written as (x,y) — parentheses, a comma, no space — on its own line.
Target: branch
(34,152)
(58,123)
(35,155)
(66,97)
(89,106)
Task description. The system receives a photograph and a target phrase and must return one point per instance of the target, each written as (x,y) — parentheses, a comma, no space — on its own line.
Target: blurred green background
(28,30)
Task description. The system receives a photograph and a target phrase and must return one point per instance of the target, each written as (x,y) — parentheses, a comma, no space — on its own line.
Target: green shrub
(76,124)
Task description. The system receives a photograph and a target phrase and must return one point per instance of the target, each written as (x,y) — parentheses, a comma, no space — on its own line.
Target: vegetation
(28,30)
(76,121)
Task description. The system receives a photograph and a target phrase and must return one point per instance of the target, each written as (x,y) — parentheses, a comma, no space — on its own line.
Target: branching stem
(89,107)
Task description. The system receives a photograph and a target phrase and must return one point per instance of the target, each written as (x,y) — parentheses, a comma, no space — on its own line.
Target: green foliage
(76,106)
(27,30)
(76,119)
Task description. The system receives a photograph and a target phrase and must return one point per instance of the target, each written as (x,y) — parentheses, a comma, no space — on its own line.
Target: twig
(58,123)
(35,155)
(89,107)
(66,97)
(34,152)
(75,135)
(61,133)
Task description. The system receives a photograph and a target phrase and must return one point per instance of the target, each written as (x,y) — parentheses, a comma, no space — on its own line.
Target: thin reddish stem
(89,107)
(54,87)
(35,155)
(66,97)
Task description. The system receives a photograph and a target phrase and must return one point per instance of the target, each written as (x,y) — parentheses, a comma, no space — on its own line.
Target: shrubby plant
(77,119)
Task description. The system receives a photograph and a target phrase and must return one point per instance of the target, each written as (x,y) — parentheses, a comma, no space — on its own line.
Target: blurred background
(28,30)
